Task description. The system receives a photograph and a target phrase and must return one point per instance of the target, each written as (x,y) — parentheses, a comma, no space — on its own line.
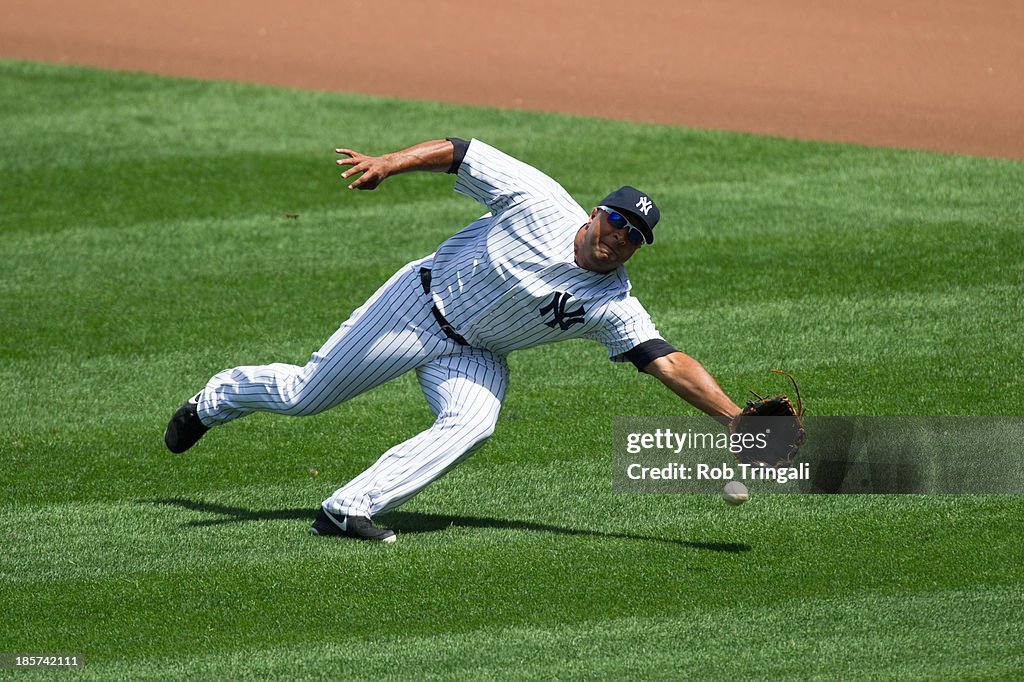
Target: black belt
(448,330)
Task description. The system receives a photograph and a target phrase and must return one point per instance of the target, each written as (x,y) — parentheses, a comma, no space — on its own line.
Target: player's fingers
(359,162)
(368,180)
(356,182)
(353,158)
(358,166)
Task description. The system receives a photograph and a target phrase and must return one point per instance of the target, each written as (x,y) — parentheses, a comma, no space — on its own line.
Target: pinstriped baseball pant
(392,333)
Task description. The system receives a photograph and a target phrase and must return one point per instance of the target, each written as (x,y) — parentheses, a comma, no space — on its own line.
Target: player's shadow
(419,522)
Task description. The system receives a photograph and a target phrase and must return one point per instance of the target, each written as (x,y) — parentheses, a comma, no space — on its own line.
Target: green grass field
(146,246)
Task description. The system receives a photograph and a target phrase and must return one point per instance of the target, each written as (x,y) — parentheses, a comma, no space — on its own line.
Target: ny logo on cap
(644,205)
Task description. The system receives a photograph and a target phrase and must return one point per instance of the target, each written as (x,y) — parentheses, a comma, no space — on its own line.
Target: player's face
(601,247)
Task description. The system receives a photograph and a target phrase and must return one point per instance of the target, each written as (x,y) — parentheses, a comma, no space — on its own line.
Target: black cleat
(184,430)
(358,527)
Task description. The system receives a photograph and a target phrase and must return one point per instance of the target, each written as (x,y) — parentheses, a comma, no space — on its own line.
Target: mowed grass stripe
(932,331)
(734,639)
(197,533)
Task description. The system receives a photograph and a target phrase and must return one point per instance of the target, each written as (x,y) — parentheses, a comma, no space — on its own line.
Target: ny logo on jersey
(563,318)
(644,205)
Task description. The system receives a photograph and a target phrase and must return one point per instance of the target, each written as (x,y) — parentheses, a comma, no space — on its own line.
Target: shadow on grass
(419,522)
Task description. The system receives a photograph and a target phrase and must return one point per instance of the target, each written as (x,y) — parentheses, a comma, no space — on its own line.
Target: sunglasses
(619,222)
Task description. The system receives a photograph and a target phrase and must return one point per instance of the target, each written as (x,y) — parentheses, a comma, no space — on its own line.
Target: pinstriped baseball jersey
(509,280)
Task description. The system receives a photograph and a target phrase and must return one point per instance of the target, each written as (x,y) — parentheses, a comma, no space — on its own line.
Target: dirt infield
(934,74)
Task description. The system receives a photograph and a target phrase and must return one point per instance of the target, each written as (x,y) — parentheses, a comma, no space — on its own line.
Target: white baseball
(735,493)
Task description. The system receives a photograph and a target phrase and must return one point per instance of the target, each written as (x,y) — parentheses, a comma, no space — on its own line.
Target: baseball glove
(770,442)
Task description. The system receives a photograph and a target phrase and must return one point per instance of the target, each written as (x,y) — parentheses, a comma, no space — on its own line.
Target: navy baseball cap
(638,207)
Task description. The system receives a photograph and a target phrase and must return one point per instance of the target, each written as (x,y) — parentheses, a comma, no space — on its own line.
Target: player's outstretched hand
(374,169)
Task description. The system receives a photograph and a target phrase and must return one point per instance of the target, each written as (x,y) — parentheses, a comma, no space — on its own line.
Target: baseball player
(536,268)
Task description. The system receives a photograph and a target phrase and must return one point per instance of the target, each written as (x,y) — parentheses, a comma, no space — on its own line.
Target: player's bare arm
(434,156)
(688,379)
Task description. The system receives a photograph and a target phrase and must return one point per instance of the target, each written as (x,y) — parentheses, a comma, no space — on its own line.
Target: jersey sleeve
(625,325)
(498,180)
